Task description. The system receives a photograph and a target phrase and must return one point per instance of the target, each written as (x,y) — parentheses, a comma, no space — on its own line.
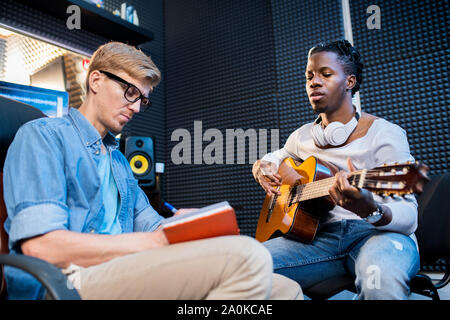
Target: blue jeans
(382,262)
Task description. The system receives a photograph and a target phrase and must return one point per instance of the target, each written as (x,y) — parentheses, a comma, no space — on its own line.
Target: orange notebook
(216,220)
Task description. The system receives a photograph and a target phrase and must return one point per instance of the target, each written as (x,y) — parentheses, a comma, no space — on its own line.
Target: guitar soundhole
(292,194)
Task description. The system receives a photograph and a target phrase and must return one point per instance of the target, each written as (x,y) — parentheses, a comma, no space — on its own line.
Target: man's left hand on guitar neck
(359,201)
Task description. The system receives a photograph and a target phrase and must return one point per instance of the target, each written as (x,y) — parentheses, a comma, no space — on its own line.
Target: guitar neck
(317,189)
(397,179)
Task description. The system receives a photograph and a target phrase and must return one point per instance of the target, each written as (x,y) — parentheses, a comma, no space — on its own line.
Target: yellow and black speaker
(139,153)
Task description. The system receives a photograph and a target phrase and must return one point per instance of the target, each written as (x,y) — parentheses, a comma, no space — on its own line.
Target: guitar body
(305,198)
(299,220)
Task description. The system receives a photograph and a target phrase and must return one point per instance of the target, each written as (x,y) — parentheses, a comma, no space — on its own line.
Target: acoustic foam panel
(220,69)
(406,72)
(237,65)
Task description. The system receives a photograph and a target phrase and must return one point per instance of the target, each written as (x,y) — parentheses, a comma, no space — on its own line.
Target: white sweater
(384,142)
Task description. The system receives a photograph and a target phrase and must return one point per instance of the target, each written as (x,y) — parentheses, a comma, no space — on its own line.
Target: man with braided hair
(364,235)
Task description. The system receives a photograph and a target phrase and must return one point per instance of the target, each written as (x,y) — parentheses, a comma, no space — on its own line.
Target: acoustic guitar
(305,199)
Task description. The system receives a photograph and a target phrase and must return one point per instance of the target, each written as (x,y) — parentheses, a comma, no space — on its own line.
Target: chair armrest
(53,280)
(446,278)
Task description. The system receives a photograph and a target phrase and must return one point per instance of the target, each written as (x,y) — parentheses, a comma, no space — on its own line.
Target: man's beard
(319,108)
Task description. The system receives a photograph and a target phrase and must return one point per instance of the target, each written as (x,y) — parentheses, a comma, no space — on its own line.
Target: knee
(255,253)
(375,282)
(384,267)
(252,266)
(247,255)
(284,288)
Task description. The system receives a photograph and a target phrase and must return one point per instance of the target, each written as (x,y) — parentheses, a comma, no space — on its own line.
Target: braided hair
(348,56)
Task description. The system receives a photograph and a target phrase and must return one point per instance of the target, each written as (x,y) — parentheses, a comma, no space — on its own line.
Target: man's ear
(350,82)
(94,80)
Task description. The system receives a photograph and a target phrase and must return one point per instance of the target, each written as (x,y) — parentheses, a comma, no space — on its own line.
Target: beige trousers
(222,268)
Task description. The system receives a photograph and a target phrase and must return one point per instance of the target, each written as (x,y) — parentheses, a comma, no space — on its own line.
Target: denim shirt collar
(89,133)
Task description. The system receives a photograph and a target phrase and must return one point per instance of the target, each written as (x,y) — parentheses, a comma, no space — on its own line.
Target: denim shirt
(51,182)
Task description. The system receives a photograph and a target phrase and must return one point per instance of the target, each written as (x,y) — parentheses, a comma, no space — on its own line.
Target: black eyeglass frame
(145,101)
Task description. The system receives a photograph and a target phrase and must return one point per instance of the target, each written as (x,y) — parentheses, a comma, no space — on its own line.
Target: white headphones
(335,133)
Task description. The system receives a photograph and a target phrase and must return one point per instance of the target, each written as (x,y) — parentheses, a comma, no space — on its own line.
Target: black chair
(433,236)
(13,114)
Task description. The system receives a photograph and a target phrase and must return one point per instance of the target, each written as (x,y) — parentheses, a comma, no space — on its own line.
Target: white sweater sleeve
(289,150)
(391,145)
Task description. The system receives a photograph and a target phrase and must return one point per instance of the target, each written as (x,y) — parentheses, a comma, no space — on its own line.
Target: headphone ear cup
(318,135)
(336,133)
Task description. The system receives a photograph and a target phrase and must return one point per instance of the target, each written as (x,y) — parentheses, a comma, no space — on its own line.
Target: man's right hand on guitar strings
(265,173)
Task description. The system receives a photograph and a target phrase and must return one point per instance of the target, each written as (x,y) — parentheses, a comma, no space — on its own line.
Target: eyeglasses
(132,93)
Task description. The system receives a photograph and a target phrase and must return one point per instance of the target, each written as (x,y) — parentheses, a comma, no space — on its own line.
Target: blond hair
(114,56)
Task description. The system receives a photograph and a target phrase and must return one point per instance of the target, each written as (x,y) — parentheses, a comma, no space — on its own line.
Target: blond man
(82,210)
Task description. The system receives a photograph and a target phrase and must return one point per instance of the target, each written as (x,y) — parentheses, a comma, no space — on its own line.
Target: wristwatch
(375,216)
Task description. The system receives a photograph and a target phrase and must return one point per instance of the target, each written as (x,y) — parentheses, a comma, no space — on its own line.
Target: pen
(171,208)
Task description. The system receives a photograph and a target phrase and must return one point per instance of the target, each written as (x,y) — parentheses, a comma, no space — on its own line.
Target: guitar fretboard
(317,189)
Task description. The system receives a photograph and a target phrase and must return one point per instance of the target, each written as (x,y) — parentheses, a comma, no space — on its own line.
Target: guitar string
(320,185)
(320,188)
(356,175)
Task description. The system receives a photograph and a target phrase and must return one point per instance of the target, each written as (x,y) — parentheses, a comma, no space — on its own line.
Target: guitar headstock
(397,179)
